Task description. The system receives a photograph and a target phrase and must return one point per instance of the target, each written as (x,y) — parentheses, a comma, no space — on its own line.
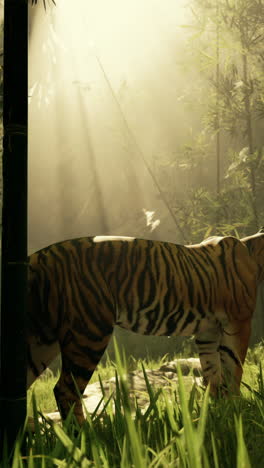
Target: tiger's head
(255,245)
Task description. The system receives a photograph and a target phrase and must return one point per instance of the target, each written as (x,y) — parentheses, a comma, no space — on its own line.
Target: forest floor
(173,422)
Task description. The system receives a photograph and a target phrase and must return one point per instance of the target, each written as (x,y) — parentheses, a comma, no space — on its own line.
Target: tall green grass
(177,429)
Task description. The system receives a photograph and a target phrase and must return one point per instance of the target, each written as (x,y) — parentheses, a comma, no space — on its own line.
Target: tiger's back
(83,287)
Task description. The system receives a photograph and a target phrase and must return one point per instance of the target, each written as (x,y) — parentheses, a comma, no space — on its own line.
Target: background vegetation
(219,173)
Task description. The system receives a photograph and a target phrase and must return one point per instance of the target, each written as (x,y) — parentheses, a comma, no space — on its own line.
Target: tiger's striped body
(81,288)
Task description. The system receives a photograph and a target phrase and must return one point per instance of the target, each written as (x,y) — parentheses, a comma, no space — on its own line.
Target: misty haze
(138,124)
(112,88)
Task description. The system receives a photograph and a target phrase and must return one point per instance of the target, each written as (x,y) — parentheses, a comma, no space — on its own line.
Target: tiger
(79,289)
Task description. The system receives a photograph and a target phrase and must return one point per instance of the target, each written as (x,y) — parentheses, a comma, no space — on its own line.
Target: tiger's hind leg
(78,365)
(233,349)
(39,357)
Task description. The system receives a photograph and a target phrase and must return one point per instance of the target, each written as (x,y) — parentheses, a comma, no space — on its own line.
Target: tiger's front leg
(208,347)
(233,349)
(222,354)
(78,364)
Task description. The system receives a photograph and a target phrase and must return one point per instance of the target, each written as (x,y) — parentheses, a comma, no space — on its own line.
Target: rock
(165,377)
(186,366)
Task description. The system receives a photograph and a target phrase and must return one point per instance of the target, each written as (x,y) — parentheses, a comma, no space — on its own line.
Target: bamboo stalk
(14,220)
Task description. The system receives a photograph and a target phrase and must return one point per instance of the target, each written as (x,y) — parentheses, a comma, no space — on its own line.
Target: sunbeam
(98,111)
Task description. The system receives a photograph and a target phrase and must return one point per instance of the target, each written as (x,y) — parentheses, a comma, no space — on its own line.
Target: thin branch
(140,152)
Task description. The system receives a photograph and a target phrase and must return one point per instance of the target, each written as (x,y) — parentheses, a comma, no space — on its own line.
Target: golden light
(102,82)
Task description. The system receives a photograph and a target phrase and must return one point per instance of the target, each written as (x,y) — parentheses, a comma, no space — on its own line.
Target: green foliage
(43,388)
(256,354)
(226,48)
(204,212)
(177,429)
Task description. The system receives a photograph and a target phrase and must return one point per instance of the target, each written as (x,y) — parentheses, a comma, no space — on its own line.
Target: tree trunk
(14,220)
